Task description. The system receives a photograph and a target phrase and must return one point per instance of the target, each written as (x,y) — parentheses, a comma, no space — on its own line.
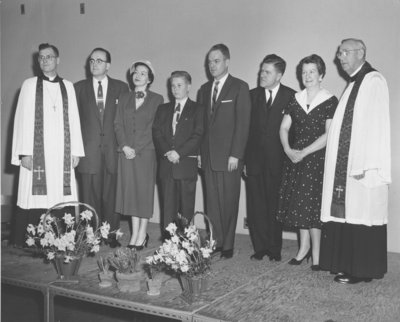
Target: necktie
(214,97)
(269,103)
(100,100)
(177,111)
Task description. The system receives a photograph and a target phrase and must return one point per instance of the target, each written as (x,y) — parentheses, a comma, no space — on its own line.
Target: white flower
(68,219)
(181,257)
(105,229)
(30,241)
(90,235)
(86,215)
(50,255)
(31,229)
(118,233)
(190,230)
(171,228)
(184,268)
(68,258)
(206,252)
(175,239)
(40,229)
(95,249)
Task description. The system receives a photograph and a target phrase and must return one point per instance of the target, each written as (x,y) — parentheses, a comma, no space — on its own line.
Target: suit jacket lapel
(262,100)
(224,90)
(91,98)
(186,111)
(278,99)
(170,117)
(109,99)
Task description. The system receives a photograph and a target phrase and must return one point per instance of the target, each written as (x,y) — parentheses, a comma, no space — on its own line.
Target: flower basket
(65,238)
(193,287)
(67,271)
(188,254)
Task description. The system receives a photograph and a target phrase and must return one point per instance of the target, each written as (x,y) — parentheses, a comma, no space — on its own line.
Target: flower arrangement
(184,252)
(125,261)
(68,237)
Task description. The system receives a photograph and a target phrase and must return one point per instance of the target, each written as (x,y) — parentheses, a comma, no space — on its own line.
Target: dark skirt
(357,250)
(136,184)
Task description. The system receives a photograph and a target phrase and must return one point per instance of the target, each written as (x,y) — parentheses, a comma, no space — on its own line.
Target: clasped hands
(27,162)
(129,152)
(295,155)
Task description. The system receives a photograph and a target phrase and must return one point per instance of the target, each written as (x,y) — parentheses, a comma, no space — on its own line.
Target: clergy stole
(39,186)
(339,186)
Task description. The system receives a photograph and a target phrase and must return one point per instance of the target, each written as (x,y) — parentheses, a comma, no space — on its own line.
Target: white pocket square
(227,101)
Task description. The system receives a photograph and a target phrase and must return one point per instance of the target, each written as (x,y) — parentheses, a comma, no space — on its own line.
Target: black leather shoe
(315,268)
(276,257)
(227,253)
(257,256)
(348,279)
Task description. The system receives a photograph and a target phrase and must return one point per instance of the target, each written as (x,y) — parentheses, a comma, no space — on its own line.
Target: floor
(243,290)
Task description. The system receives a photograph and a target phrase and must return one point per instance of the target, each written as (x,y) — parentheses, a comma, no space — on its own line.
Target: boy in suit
(177,134)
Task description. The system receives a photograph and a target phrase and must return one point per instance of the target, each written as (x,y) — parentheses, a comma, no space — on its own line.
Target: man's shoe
(276,257)
(227,253)
(257,256)
(348,279)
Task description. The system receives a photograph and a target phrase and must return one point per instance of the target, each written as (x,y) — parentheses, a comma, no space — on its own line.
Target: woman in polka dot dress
(307,118)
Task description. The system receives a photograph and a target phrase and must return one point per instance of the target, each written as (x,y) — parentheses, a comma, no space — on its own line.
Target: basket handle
(208,220)
(70,204)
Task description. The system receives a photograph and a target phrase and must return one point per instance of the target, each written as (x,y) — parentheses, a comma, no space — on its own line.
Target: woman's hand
(129,152)
(295,155)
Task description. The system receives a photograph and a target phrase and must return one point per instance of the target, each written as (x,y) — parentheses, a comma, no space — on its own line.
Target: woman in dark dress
(137,158)
(309,114)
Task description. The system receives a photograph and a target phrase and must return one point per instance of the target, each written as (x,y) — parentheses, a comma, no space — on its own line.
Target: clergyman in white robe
(53,134)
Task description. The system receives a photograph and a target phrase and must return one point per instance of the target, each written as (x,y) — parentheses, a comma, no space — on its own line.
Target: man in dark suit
(264,158)
(177,133)
(227,119)
(97,99)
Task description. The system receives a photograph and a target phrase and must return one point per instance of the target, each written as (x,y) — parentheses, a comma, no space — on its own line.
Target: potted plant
(65,239)
(154,279)
(186,254)
(105,275)
(125,262)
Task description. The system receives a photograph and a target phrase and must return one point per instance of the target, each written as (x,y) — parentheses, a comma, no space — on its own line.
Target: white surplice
(53,134)
(366,200)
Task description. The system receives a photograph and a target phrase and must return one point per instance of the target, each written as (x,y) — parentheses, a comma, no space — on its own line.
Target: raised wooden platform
(240,290)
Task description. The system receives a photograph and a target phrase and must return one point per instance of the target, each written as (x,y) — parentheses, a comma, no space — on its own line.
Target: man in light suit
(227,119)
(177,133)
(264,158)
(97,102)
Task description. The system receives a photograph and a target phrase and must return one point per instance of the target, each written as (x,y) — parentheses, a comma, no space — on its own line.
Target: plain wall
(176,34)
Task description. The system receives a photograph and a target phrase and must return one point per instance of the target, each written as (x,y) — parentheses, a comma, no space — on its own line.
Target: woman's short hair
(314,59)
(149,69)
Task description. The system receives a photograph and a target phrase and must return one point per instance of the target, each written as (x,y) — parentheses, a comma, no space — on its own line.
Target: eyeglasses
(98,61)
(48,57)
(345,52)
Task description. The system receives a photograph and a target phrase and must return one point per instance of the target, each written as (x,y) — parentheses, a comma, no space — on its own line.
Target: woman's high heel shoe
(294,261)
(144,244)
